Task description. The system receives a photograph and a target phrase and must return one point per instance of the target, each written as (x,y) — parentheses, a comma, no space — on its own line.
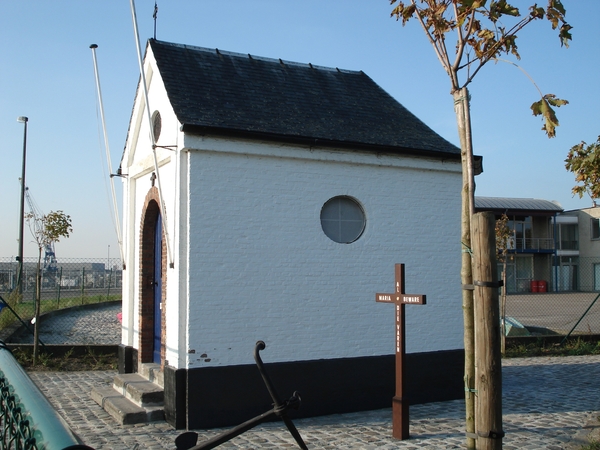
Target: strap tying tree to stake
(490,284)
(466,249)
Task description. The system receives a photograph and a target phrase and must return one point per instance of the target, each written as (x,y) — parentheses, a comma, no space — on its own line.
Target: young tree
(504,241)
(584,161)
(480,35)
(46,229)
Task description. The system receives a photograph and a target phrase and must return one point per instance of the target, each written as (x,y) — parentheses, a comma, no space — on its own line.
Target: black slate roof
(522,206)
(214,91)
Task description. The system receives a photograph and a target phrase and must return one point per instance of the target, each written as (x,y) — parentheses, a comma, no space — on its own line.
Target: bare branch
(462,42)
(444,62)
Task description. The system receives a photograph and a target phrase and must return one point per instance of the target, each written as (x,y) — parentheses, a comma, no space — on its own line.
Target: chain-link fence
(84,294)
(566,301)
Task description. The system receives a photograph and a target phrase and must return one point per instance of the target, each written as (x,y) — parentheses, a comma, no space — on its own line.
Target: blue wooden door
(157,289)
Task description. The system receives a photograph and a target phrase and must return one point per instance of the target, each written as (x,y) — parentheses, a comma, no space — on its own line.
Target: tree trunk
(463,119)
(503,308)
(488,372)
(38,301)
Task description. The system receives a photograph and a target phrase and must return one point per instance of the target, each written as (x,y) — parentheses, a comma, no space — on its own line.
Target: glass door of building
(519,273)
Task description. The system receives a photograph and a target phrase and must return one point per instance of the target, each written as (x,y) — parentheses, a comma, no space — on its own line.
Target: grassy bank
(543,347)
(71,360)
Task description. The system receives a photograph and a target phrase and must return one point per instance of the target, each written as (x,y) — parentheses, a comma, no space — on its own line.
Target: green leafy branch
(481,36)
(584,161)
(50,227)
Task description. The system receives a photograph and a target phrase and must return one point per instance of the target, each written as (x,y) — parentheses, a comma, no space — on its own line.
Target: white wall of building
(261,268)
(251,262)
(138,163)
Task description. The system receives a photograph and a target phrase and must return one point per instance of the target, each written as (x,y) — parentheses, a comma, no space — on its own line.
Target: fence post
(58,289)
(109,280)
(82,283)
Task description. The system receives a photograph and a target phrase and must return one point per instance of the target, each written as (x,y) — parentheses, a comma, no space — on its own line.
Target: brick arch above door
(150,212)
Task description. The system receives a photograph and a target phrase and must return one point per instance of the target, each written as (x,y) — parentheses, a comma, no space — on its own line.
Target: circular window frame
(340,229)
(156,125)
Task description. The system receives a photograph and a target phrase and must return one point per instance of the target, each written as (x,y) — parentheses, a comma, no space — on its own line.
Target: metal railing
(27,419)
(69,277)
(540,244)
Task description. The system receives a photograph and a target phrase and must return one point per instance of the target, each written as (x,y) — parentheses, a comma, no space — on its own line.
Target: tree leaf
(502,8)
(403,11)
(565,35)
(544,108)
(554,101)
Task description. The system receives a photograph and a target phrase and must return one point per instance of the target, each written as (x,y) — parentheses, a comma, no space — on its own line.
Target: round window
(156,125)
(342,219)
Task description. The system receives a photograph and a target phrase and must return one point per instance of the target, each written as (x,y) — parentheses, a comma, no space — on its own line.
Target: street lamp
(23,120)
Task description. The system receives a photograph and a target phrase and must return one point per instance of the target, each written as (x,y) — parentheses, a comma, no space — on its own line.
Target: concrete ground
(557,311)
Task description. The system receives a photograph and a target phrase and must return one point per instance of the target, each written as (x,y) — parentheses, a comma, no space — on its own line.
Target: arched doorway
(157,338)
(152,283)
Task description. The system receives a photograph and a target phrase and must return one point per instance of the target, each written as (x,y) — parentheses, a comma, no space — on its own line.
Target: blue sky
(46,73)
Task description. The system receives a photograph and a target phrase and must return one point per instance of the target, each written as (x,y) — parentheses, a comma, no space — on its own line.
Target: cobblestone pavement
(548,403)
(95,325)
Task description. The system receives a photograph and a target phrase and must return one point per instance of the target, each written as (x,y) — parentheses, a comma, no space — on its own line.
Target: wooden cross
(399,403)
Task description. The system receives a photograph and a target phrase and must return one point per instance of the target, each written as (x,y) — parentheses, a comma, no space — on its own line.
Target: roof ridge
(253,57)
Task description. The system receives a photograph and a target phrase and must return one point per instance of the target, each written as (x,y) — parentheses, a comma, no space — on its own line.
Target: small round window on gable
(342,219)
(156,125)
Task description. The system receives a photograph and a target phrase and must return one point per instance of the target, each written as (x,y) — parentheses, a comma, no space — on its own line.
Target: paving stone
(548,403)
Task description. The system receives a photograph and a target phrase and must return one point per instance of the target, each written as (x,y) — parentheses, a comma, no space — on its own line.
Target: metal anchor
(188,440)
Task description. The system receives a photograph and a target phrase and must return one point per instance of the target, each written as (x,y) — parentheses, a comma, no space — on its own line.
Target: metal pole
(107,148)
(58,291)
(23,120)
(25,324)
(580,319)
(82,283)
(163,209)
(108,290)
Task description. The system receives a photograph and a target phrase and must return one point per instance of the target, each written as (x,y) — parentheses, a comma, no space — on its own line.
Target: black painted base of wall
(125,359)
(226,396)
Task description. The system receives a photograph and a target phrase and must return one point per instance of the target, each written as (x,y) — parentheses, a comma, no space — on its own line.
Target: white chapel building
(275,203)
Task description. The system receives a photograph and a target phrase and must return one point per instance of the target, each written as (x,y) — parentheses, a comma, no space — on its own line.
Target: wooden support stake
(488,365)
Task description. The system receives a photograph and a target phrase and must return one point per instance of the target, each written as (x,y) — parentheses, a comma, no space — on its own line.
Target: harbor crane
(50,264)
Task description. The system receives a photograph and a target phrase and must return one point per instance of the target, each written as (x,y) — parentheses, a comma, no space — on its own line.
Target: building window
(567,273)
(522,232)
(156,125)
(569,236)
(342,219)
(595,229)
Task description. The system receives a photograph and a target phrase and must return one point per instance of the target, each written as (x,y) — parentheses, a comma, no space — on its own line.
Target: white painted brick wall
(252,262)
(260,266)
(138,165)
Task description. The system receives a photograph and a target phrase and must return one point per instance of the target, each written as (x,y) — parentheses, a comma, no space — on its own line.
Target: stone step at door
(132,399)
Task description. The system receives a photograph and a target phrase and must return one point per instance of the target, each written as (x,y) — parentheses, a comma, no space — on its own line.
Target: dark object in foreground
(187,440)
(27,419)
